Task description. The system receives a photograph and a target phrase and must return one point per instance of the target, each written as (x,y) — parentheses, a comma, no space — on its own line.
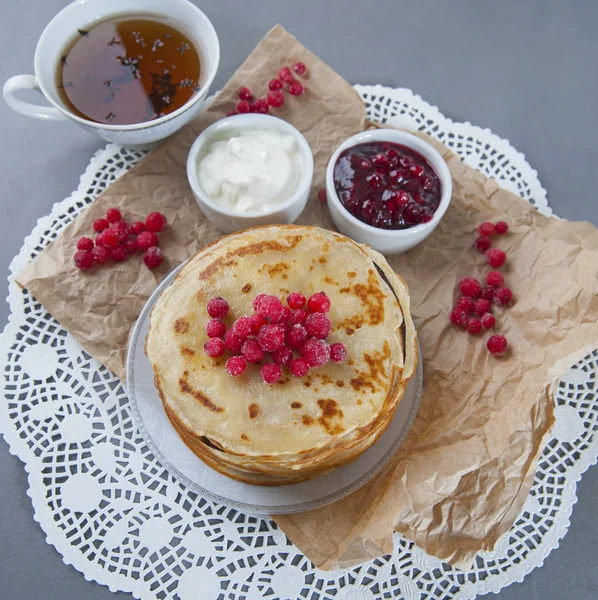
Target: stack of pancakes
(298,428)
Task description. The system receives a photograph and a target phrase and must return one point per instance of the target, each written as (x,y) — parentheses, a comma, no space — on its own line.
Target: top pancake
(336,405)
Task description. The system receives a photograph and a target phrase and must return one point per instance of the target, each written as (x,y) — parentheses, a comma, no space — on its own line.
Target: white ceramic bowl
(228,220)
(388,241)
(83,14)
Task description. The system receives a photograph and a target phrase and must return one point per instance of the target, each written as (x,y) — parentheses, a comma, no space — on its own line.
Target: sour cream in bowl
(250,170)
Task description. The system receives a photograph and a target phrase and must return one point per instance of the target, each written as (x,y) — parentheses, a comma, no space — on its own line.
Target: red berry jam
(387,185)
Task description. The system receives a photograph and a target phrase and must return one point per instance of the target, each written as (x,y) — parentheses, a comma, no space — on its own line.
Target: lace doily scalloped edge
(468,591)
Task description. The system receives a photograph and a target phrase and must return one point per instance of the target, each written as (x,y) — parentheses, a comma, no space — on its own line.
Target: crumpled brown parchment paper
(461,477)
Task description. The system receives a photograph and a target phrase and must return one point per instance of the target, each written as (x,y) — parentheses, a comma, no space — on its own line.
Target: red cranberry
(486,229)
(83,260)
(218,308)
(271,373)
(233,342)
(215,328)
(155,222)
(299,68)
(257,300)
(275,99)
(481,306)
(413,185)
(381,160)
(100,224)
(459,317)
(296,336)
(497,345)
(101,254)
(352,205)
(482,243)
(465,303)
(318,302)
(369,210)
(496,257)
(487,293)
(299,367)
(118,254)
(488,321)
(145,240)
(260,106)
(85,243)
(470,286)
(283,356)
(251,351)
(419,199)
(402,198)
(242,326)
(131,245)
(275,85)
(298,317)
(392,178)
(417,171)
(406,162)
(152,257)
(361,163)
(113,215)
(245,94)
(123,231)
(495,279)
(503,295)
(109,238)
(383,219)
(285,75)
(322,196)
(318,325)
(257,322)
(236,366)
(244,106)
(137,227)
(296,88)
(271,337)
(286,315)
(374,181)
(214,347)
(296,300)
(270,308)
(338,352)
(316,352)
(501,227)
(429,183)
(413,214)
(474,325)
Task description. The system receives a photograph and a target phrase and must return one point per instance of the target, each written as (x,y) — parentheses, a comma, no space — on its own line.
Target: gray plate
(178,460)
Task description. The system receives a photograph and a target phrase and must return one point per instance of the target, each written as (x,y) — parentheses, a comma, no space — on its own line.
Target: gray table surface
(525,70)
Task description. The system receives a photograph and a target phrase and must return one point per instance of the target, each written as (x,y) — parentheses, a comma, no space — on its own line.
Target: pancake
(298,428)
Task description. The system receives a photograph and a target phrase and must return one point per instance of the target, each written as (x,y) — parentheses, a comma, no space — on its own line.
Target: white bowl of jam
(387,188)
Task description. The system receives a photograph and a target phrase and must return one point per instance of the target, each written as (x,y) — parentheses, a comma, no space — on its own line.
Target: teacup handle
(29,82)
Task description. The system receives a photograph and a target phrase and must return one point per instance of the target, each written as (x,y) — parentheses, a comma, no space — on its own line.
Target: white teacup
(83,14)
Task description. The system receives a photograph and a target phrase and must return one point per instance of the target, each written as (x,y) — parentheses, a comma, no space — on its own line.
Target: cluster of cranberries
(275,98)
(478,300)
(277,329)
(116,239)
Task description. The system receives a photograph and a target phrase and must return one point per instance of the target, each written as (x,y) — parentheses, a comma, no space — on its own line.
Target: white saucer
(173,454)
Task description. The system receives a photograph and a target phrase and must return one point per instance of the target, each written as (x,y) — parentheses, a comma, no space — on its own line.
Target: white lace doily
(117,516)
